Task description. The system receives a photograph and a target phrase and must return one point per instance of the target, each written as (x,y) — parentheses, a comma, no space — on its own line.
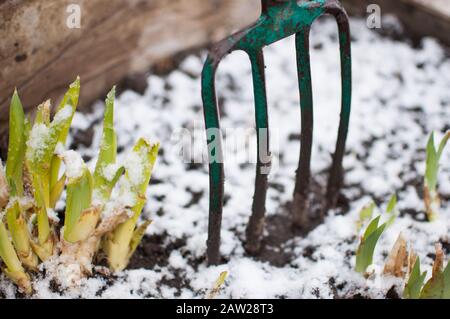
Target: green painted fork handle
(277,21)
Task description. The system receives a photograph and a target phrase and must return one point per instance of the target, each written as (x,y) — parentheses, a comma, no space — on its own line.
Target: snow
(110,171)
(400,95)
(63,115)
(135,166)
(52,215)
(38,139)
(60,148)
(74,164)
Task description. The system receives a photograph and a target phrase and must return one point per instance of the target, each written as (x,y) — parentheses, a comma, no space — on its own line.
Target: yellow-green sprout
(33,182)
(431,194)
(123,241)
(13,267)
(415,282)
(364,254)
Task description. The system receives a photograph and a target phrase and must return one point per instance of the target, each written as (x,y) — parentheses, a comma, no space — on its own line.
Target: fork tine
(335,180)
(255,225)
(216,170)
(300,205)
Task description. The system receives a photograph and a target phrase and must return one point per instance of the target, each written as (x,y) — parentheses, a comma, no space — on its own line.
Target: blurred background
(45,44)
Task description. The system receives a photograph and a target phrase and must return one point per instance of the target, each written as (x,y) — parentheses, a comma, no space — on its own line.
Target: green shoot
(16,146)
(392,210)
(106,173)
(13,269)
(431,195)
(364,254)
(365,214)
(70,99)
(118,245)
(219,283)
(438,287)
(20,235)
(415,282)
(79,198)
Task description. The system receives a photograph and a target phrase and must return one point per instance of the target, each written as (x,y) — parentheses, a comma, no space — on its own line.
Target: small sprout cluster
(373,232)
(437,287)
(102,208)
(405,264)
(431,195)
(402,263)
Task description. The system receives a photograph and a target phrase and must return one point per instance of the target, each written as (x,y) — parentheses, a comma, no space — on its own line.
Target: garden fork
(279,19)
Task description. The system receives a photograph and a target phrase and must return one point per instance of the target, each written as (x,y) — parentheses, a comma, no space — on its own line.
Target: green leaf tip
(16,146)
(364,254)
(415,282)
(433,156)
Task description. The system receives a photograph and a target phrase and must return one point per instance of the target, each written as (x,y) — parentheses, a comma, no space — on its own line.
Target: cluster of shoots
(431,195)
(102,208)
(402,262)
(373,232)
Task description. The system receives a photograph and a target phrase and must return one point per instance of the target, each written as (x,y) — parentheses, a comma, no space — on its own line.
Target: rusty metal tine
(255,225)
(300,205)
(335,180)
(216,170)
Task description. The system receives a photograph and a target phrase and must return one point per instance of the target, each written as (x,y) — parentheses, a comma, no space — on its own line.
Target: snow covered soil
(400,95)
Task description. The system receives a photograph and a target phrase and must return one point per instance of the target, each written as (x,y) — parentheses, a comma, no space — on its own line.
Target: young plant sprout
(369,240)
(438,287)
(431,195)
(415,282)
(102,207)
(392,210)
(218,285)
(365,214)
(364,254)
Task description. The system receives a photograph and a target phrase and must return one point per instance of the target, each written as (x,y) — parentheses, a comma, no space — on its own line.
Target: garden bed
(401,94)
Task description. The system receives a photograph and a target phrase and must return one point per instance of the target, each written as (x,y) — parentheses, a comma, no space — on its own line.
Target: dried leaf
(439,260)
(397,259)
(412,258)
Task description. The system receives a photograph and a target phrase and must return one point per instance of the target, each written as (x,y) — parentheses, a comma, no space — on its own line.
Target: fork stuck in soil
(279,19)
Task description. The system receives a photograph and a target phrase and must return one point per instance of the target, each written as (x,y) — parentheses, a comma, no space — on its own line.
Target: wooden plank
(419,17)
(437,7)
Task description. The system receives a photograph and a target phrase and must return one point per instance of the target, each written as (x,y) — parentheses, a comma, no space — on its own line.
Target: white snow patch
(74,164)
